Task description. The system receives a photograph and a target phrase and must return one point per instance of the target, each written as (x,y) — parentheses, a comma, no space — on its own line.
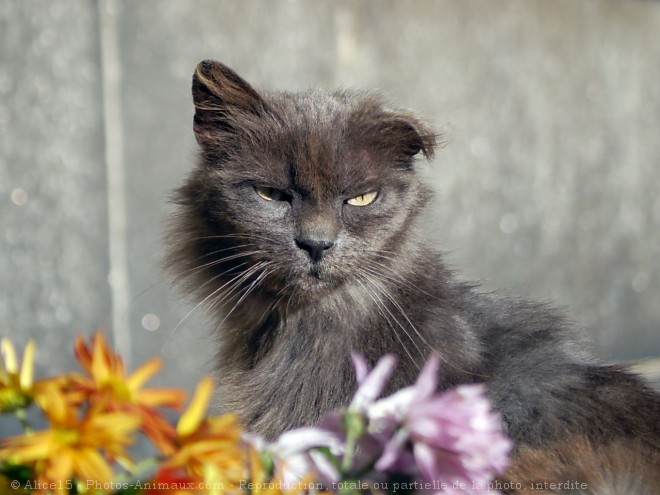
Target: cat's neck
(273,349)
(374,313)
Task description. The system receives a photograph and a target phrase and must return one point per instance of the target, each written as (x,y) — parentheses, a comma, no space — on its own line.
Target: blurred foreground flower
(16,386)
(81,447)
(436,442)
(208,447)
(456,437)
(298,452)
(416,440)
(107,383)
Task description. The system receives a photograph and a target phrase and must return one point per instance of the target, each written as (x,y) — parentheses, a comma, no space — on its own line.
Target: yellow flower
(72,446)
(212,450)
(209,448)
(107,382)
(16,386)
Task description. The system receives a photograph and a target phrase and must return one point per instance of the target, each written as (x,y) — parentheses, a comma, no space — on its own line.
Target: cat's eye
(270,193)
(364,199)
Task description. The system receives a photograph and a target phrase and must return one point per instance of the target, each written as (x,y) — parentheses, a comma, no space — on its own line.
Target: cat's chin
(317,281)
(312,285)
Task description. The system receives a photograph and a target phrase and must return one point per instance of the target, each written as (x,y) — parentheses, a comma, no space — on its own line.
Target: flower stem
(354,425)
(21,415)
(347,461)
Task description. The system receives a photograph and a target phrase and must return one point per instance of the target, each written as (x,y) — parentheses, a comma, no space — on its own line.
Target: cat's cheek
(368,218)
(270,211)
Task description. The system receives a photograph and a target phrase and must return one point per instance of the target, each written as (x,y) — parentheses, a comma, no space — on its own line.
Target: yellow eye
(269,193)
(363,199)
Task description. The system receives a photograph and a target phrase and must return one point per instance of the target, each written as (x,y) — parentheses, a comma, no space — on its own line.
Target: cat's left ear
(222,100)
(407,136)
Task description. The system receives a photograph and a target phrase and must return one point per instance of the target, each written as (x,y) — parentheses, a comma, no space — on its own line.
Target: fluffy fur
(576,466)
(287,324)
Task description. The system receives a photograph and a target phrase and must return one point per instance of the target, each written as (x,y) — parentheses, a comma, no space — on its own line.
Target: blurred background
(548,186)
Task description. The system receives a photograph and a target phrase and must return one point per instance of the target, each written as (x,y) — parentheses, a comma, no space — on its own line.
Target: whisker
(270,308)
(382,291)
(252,286)
(212,294)
(183,274)
(402,278)
(422,338)
(372,267)
(235,283)
(379,307)
(221,250)
(218,262)
(231,236)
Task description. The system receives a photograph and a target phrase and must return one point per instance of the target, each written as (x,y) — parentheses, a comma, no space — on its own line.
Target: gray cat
(297,230)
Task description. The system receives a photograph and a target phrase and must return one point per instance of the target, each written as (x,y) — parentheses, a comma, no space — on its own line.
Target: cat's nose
(316,248)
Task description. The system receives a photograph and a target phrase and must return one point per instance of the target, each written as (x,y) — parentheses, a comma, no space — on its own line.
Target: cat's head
(294,193)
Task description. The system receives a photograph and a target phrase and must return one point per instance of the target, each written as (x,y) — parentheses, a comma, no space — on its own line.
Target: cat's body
(298,230)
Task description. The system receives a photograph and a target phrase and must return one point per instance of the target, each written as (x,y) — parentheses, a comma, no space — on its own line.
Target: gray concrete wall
(548,185)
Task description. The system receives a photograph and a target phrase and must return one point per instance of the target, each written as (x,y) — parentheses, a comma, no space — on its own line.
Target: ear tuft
(221,96)
(416,136)
(214,82)
(406,136)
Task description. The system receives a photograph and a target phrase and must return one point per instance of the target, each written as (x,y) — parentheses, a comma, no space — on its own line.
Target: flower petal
(303,439)
(118,424)
(100,368)
(392,451)
(9,356)
(61,465)
(387,413)
(53,403)
(27,366)
(140,376)
(361,368)
(90,465)
(427,461)
(373,384)
(193,416)
(23,449)
(427,382)
(324,467)
(82,352)
(161,397)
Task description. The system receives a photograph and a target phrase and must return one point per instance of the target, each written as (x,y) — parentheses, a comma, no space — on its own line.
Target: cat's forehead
(312,140)
(325,148)
(320,168)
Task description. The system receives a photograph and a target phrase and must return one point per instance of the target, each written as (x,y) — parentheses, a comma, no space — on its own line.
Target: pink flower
(370,384)
(391,411)
(296,454)
(454,436)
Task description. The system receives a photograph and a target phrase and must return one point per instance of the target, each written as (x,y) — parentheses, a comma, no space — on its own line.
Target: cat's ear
(407,136)
(221,99)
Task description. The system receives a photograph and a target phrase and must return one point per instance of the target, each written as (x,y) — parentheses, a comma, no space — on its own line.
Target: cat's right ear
(221,99)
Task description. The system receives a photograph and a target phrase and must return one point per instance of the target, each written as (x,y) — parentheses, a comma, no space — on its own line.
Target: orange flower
(216,458)
(209,448)
(172,482)
(72,446)
(107,382)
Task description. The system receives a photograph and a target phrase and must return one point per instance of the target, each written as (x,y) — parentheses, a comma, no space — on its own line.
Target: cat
(298,231)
